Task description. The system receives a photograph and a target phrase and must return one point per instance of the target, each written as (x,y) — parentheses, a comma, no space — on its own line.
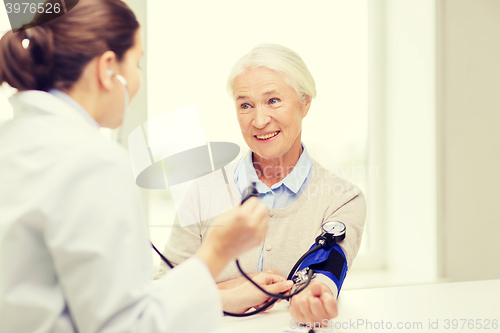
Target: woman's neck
(86,98)
(272,171)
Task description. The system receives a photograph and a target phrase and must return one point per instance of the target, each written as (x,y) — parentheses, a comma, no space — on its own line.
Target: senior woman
(272,90)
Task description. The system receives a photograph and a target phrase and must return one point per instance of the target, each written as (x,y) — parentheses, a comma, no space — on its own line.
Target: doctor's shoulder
(55,142)
(49,164)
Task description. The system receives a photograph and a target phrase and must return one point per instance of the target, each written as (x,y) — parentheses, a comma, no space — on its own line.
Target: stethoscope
(332,232)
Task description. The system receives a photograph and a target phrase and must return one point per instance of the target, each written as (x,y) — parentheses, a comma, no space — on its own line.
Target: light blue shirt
(279,195)
(69,100)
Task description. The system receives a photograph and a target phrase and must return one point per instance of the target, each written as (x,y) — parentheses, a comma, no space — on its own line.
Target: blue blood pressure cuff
(330,262)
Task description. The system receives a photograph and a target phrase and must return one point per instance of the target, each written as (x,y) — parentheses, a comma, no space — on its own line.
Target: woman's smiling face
(269,112)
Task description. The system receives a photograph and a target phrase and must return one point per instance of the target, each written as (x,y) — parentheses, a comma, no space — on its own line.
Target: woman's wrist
(229,284)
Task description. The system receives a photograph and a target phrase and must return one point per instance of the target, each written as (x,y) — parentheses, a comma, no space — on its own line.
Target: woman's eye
(245,106)
(273,100)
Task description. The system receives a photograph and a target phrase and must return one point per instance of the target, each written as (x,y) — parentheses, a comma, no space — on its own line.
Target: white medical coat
(74,248)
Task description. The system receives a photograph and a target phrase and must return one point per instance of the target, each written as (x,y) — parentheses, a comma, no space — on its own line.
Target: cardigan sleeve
(349,208)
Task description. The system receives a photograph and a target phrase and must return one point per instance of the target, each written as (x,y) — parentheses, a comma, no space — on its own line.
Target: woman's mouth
(267,136)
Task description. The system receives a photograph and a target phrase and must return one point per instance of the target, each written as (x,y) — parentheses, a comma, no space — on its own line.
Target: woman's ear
(106,65)
(306,104)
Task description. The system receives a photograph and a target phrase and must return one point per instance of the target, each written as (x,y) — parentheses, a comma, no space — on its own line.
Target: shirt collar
(69,100)
(292,181)
(297,177)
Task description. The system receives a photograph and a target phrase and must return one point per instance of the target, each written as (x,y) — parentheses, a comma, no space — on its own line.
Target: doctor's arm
(102,257)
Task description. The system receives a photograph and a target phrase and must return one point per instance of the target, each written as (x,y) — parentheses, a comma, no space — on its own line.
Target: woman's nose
(261,118)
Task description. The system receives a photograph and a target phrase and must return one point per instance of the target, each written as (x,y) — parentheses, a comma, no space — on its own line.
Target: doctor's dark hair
(60,49)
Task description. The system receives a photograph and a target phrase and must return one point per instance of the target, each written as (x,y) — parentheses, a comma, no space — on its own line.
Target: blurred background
(408,108)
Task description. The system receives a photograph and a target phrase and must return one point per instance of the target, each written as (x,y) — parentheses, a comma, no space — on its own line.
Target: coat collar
(43,102)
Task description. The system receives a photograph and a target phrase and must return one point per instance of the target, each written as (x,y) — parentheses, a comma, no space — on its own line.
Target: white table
(421,308)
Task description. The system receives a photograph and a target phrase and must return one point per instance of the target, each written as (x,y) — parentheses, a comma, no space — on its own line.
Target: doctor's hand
(314,304)
(246,296)
(233,233)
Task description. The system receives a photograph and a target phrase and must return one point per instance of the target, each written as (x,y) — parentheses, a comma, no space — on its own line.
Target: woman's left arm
(350,209)
(317,300)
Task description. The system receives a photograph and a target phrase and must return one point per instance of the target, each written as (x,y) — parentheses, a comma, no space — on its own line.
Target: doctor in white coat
(74,249)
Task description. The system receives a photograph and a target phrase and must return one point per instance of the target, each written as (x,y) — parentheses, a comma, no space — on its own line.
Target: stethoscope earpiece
(124,82)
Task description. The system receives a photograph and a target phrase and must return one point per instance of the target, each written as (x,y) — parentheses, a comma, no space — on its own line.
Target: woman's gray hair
(283,61)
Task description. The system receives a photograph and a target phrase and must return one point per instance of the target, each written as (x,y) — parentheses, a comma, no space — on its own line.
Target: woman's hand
(233,283)
(314,304)
(233,233)
(246,296)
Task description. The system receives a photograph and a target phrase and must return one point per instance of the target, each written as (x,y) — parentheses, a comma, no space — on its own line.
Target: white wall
(410,138)
(469,138)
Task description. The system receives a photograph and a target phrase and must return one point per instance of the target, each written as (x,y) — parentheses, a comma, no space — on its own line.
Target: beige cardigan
(292,230)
